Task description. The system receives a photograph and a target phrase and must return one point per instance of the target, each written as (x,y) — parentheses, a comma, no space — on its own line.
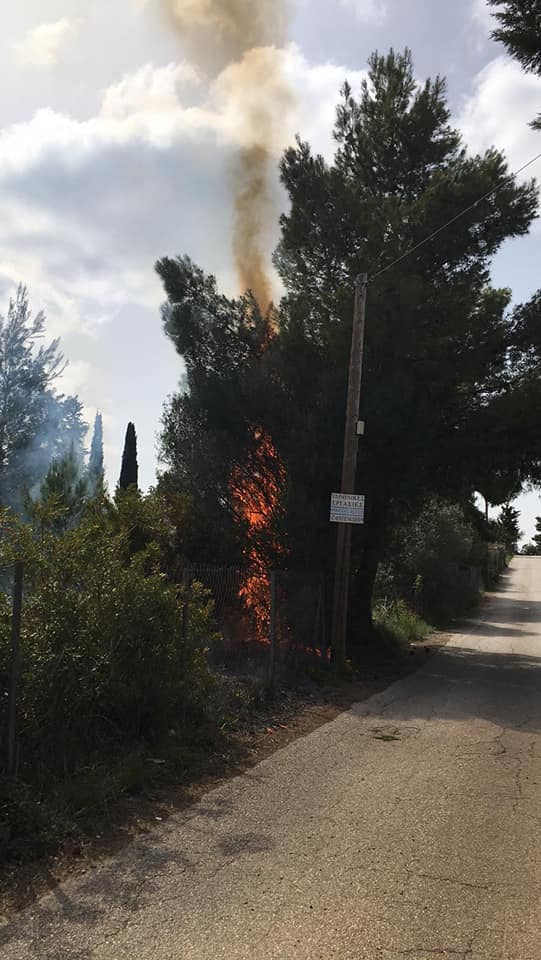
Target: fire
(257,488)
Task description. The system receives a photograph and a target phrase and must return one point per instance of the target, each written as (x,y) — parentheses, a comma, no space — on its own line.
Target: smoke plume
(237,43)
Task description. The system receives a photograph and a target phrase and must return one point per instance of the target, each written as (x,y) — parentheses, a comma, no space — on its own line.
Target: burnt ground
(263,729)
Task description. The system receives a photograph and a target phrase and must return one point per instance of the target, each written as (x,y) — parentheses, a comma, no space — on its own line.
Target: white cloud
(89,204)
(482,14)
(42,45)
(504,101)
(367,11)
(152,106)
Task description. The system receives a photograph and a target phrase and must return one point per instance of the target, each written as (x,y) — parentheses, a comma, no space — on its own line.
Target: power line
(454,219)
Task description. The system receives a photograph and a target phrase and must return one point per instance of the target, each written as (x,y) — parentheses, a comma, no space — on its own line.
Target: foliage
(62,495)
(27,829)
(520,30)
(508,523)
(400,173)
(396,620)
(145,519)
(427,562)
(36,424)
(208,434)
(106,665)
(130,470)
(95,472)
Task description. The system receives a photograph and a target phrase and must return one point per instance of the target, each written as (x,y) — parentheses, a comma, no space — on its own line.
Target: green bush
(110,665)
(428,562)
(28,827)
(395,619)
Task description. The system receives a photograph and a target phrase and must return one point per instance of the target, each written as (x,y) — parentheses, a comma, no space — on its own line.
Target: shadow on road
(497,680)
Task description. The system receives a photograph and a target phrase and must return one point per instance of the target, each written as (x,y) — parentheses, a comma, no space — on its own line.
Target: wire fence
(272,624)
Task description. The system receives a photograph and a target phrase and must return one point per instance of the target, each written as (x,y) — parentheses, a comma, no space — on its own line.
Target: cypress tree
(95,472)
(130,469)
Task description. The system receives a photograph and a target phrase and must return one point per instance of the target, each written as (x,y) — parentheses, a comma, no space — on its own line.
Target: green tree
(438,337)
(37,425)
(427,559)
(209,429)
(63,494)
(26,371)
(95,471)
(508,522)
(130,470)
(520,30)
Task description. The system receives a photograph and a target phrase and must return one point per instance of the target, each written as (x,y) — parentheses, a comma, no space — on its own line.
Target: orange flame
(257,489)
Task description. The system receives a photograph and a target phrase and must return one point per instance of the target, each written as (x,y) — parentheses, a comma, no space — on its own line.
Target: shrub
(428,562)
(395,619)
(105,663)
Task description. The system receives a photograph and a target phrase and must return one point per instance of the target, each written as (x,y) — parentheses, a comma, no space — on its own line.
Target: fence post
(323,616)
(185,616)
(317,636)
(271,679)
(14,668)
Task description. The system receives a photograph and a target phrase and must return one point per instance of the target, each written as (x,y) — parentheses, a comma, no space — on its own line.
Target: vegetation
(397,622)
(107,671)
(520,30)
(130,471)
(62,494)
(37,424)
(95,475)
(428,561)
(508,523)
(114,670)
(434,428)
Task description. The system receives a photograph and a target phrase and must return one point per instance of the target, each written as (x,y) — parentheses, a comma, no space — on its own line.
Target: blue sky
(114,151)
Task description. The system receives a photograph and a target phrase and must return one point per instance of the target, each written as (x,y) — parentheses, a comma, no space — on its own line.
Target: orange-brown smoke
(237,43)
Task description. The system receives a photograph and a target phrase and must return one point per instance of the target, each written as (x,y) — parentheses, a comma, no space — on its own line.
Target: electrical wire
(462,213)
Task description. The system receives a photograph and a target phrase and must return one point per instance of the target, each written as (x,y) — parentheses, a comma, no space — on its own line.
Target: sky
(116,150)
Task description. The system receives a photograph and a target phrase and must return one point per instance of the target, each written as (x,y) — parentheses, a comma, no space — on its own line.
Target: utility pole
(349,470)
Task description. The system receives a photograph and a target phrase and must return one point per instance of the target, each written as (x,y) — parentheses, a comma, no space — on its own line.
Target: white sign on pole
(347,508)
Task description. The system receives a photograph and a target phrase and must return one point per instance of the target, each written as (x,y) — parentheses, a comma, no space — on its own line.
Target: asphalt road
(408,827)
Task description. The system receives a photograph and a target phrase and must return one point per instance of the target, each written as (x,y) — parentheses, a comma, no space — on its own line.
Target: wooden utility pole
(349,470)
(14,668)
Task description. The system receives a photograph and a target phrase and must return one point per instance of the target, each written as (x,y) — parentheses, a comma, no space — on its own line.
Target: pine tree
(520,31)
(509,525)
(95,471)
(130,470)
(37,425)
(63,493)
(400,173)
